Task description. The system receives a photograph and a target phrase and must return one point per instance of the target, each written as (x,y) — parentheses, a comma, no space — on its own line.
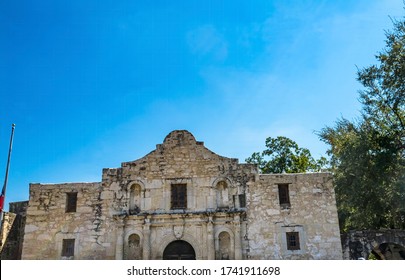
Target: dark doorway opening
(179,250)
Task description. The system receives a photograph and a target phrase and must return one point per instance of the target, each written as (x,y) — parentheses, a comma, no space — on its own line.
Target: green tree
(284,155)
(368,155)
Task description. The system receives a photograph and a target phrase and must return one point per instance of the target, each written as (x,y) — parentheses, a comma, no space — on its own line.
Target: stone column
(146,239)
(210,239)
(119,245)
(238,241)
(142,206)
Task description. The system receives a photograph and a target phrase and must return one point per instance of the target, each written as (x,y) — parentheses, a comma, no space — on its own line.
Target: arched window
(135,199)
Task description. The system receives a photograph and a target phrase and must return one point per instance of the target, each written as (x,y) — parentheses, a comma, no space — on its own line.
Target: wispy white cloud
(207,41)
(309,84)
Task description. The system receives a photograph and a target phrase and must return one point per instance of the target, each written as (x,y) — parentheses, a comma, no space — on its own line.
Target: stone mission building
(183,201)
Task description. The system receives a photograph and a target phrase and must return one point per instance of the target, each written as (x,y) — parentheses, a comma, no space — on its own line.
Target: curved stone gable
(178,138)
(180,155)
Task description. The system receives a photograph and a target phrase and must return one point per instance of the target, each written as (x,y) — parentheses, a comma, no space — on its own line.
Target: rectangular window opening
(71,202)
(284,195)
(179,196)
(68,248)
(242,200)
(293,241)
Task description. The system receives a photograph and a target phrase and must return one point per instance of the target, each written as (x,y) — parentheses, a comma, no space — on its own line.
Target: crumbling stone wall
(12,234)
(312,213)
(6,225)
(358,244)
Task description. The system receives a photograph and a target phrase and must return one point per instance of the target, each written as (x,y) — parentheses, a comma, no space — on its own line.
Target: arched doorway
(179,250)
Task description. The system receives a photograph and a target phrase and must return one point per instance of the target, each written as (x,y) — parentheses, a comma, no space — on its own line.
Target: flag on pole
(2,199)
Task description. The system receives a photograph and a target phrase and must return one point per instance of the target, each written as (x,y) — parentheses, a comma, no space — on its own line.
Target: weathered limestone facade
(312,213)
(182,201)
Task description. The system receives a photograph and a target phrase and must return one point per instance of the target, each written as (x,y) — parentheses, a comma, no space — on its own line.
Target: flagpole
(3,191)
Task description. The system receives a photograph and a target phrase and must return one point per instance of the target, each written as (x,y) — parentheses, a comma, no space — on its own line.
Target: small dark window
(179,196)
(68,248)
(71,202)
(293,240)
(242,200)
(284,195)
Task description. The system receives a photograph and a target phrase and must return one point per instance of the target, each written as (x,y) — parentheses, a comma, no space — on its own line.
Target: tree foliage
(284,155)
(368,155)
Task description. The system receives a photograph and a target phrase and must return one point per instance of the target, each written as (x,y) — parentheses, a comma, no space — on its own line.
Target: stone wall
(12,234)
(359,244)
(48,223)
(7,222)
(312,213)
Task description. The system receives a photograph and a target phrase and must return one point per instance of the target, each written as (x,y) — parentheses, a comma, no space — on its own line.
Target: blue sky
(91,84)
